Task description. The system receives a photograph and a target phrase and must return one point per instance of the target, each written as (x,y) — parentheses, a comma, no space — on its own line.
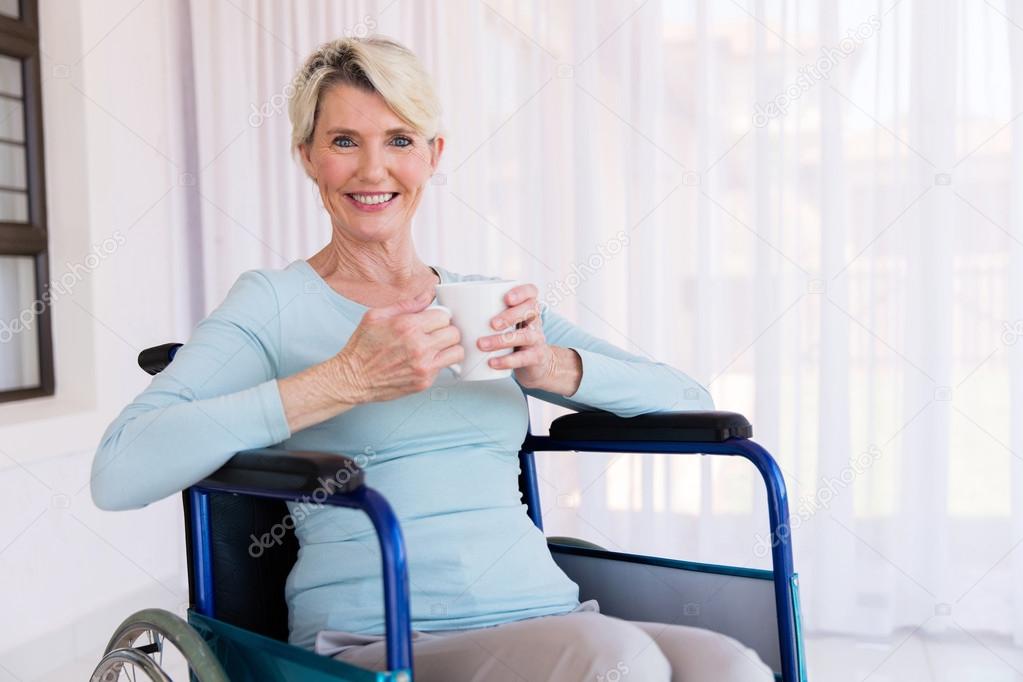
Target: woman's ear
(307,162)
(436,149)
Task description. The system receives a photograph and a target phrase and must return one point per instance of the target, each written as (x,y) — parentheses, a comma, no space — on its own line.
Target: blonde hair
(375,64)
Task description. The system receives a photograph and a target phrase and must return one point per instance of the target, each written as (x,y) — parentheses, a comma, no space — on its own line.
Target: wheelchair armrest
(293,476)
(154,360)
(273,469)
(680,427)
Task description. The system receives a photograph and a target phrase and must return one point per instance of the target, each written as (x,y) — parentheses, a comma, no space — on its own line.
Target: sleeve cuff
(593,384)
(272,410)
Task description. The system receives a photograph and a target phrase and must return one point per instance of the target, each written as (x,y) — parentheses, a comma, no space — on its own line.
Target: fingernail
(497,324)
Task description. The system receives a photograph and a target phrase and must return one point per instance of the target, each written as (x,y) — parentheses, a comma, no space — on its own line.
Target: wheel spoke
(140,641)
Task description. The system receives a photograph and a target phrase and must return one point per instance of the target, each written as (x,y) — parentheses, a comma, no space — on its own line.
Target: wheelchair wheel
(139,650)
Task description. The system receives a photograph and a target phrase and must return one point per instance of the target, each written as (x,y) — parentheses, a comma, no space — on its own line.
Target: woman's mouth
(372,203)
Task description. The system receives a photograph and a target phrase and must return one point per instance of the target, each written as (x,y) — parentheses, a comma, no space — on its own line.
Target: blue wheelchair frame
(270,474)
(786,581)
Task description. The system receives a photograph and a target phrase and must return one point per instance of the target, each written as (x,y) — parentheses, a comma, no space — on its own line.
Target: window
(26,354)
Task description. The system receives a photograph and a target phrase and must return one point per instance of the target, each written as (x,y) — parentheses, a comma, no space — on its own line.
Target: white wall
(113,161)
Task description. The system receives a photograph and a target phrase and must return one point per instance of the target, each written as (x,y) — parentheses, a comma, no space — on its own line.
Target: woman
(341,353)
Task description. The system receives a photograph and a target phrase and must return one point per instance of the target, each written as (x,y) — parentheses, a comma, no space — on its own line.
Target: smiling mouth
(373,200)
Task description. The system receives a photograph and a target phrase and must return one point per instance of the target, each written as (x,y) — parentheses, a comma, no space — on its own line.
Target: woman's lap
(572,646)
(699,654)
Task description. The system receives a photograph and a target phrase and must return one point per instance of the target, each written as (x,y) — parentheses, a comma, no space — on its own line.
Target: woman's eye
(401,138)
(342,139)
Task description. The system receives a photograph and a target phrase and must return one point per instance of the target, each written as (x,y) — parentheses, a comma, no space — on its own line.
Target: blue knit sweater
(445,458)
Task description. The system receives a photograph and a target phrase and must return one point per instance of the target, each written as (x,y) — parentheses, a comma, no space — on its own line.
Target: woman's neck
(394,265)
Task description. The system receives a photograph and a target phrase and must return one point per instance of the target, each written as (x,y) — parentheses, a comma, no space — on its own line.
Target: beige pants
(581,645)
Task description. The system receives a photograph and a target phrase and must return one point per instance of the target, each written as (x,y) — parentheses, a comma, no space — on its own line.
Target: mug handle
(454,367)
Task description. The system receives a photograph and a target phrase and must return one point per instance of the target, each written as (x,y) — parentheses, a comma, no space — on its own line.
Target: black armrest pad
(155,359)
(289,471)
(680,427)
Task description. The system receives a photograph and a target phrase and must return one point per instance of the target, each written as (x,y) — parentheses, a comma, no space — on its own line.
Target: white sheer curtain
(814,209)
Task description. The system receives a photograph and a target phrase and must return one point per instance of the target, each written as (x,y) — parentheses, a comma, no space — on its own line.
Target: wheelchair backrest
(248,572)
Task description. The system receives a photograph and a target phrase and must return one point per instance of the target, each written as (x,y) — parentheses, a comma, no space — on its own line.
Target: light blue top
(445,458)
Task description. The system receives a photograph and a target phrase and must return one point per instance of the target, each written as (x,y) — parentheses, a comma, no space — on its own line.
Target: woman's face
(361,153)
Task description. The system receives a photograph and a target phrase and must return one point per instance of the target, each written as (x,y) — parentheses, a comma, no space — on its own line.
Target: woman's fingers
(444,337)
(521,293)
(522,358)
(433,318)
(450,356)
(524,336)
(523,312)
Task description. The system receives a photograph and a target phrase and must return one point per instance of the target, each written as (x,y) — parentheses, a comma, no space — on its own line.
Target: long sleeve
(617,381)
(217,397)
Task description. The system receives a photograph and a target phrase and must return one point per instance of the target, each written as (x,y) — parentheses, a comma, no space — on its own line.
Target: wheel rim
(127,664)
(156,645)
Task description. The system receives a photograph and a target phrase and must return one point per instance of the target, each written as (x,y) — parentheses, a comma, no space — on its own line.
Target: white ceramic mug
(472,305)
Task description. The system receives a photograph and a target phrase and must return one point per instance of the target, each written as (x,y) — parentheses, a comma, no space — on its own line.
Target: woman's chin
(373,228)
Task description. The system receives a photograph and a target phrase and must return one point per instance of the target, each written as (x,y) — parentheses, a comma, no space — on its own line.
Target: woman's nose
(371,166)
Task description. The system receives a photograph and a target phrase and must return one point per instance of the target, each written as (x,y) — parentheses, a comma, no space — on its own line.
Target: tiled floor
(842,659)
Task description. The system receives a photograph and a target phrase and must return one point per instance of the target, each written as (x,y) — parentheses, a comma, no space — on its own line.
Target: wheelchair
(237,621)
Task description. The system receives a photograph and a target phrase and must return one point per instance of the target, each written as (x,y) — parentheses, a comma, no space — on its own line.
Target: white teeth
(373,198)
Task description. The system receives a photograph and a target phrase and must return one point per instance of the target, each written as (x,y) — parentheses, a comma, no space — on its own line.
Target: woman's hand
(397,350)
(536,364)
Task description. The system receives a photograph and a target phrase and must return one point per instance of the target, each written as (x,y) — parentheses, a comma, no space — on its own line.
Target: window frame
(19,38)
